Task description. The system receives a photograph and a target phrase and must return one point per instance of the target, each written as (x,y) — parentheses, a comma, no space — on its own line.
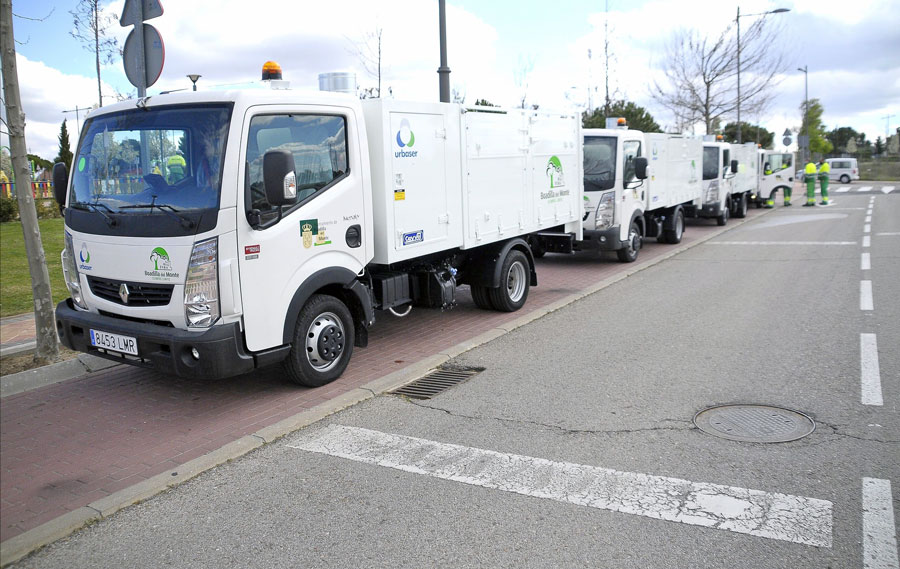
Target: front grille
(165,323)
(139,294)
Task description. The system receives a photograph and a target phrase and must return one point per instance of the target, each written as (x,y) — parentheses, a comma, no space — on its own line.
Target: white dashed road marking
(867,241)
(782,242)
(863,188)
(887,189)
(870,374)
(865,262)
(879,531)
(865,296)
(842,189)
(771,515)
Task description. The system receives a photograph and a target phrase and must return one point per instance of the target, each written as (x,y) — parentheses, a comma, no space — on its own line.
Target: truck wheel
(515,280)
(323,342)
(629,253)
(723,217)
(674,236)
(740,208)
(480,296)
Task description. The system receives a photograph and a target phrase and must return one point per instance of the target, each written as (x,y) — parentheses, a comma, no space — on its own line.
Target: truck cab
(776,173)
(718,181)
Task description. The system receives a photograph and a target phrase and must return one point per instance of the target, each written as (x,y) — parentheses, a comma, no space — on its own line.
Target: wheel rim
(634,241)
(515,282)
(325,341)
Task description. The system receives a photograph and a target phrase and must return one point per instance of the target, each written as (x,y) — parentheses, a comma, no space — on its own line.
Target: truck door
(278,251)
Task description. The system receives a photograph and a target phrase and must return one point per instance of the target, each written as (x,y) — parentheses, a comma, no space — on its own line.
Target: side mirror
(640,168)
(734,166)
(60,182)
(279,178)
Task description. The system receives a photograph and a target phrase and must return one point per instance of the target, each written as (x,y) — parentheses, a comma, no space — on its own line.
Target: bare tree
(92,29)
(369,53)
(701,74)
(47,348)
(521,76)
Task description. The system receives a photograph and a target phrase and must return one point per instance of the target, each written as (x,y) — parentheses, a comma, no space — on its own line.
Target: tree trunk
(45,323)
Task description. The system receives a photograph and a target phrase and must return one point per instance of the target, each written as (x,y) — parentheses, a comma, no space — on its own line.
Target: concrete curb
(53,373)
(18,547)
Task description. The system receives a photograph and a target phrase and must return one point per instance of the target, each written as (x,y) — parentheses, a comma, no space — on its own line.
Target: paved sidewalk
(67,445)
(16,334)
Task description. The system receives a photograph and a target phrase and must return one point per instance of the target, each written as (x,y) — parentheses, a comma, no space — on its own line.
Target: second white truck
(636,185)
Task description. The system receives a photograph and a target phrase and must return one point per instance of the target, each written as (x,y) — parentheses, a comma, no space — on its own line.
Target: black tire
(674,236)
(515,281)
(322,343)
(723,217)
(845,179)
(740,208)
(480,296)
(629,253)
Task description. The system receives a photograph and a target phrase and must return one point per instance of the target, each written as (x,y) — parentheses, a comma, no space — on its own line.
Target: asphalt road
(575,446)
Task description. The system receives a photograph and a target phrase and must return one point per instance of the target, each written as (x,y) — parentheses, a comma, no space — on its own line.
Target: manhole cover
(754,423)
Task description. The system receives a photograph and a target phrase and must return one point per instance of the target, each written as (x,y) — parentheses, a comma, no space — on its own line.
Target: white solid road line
(863,188)
(781,242)
(870,374)
(888,234)
(865,296)
(879,531)
(887,189)
(865,262)
(867,241)
(842,189)
(764,514)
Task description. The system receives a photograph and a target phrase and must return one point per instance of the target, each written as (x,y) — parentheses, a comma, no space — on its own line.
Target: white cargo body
(745,180)
(673,174)
(469,178)
(636,185)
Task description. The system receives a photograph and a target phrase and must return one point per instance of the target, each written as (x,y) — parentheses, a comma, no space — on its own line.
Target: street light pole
(805,71)
(738,22)
(75,110)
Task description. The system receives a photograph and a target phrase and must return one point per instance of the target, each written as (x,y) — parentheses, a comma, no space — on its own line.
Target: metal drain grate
(754,423)
(436,382)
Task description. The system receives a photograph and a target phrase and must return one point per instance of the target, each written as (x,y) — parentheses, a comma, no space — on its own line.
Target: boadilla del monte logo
(555,172)
(405,139)
(161,261)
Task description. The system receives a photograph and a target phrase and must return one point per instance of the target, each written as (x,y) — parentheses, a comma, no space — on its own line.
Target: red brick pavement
(66,445)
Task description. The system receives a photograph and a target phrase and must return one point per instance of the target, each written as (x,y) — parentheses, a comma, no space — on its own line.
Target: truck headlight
(70,273)
(201,288)
(606,211)
(712,192)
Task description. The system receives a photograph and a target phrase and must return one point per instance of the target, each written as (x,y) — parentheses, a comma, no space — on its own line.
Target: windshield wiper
(166,209)
(96,208)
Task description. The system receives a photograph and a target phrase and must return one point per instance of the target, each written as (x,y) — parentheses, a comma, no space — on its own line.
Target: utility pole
(76,111)
(805,70)
(443,70)
(887,126)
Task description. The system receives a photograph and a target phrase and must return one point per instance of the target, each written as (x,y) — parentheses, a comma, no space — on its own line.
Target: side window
(631,149)
(319,146)
(726,162)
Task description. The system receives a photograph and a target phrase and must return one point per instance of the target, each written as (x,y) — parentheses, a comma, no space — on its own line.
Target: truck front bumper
(220,350)
(603,239)
(710,209)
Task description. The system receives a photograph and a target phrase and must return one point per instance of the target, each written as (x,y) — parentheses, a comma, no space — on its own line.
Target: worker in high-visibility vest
(809,176)
(824,173)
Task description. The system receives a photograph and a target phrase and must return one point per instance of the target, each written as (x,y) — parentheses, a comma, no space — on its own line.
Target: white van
(843,169)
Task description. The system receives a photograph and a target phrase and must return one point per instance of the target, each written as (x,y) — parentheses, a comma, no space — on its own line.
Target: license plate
(114,342)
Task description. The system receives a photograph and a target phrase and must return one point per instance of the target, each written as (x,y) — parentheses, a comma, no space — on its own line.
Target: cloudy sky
(852,51)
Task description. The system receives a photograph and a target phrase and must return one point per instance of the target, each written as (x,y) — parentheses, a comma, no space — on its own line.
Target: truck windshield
(599,163)
(710,162)
(139,161)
